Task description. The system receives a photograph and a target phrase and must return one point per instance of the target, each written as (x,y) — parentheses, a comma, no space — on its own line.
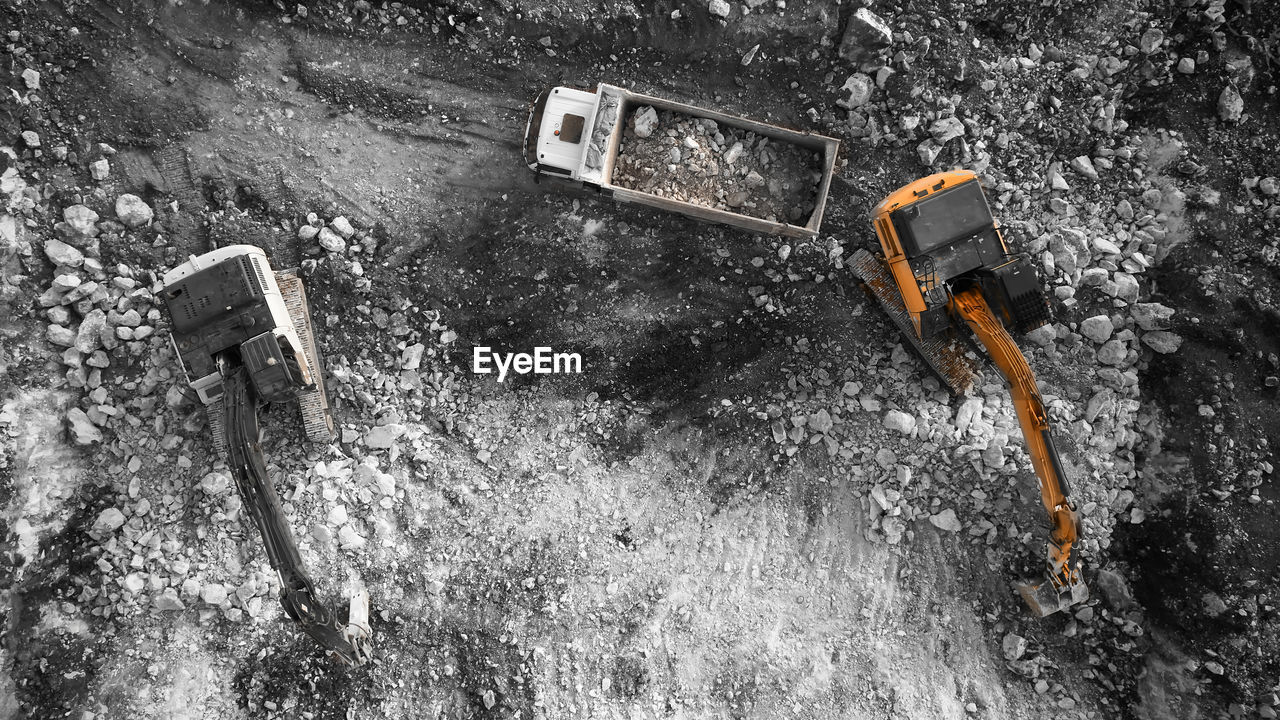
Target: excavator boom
(1063,586)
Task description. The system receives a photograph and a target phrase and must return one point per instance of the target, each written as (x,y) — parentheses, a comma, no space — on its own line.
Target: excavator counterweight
(946,271)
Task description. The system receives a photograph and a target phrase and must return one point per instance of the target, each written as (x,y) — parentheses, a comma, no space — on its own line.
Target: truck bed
(609,124)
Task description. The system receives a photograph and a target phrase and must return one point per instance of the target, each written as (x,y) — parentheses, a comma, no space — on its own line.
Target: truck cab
(559,131)
(939,236)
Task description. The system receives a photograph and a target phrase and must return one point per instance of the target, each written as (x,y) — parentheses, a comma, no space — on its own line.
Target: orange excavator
(946,267)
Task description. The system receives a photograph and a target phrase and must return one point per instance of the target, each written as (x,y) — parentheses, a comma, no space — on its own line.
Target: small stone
(1269,186)
(60,253)
(1186,66)
(719,8)
(331,241)
(133,211)
(108,521)
(899,421)
(1230,104)
(946,520)
(1214,667)
(1014,646)
(31,138)
(83,431)
(31,78)
(100,169)
(342,226)
(308,232)
(1162,341)
(1097,328)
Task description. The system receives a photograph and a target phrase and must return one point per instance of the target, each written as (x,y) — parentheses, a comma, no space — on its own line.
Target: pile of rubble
(699,161)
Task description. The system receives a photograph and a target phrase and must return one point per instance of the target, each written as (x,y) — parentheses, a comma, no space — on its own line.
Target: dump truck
(945,275)
(577,135)
(243,337)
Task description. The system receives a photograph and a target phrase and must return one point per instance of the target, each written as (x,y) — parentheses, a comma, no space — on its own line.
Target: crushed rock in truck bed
(697,160)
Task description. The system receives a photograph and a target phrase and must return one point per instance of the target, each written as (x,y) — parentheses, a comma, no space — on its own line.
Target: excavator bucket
(358,630)
(946,356)
(1045,597)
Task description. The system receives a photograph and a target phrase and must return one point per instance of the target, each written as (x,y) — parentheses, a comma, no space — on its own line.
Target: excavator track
(215,413)
(317,420)
(946,356)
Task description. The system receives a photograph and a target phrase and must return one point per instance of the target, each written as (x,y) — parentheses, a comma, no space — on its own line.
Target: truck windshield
(944,217)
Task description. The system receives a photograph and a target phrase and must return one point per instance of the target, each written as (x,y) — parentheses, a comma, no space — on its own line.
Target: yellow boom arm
(1064,586)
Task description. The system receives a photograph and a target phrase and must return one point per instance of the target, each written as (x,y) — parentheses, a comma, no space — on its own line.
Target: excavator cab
(946,269)
(939,236)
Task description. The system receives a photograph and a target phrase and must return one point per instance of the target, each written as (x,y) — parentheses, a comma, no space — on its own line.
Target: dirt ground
(712,519)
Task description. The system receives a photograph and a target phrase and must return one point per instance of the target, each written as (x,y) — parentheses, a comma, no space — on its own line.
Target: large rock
(214,593)
(89,335)
(383,436)
(1230,104)
(60,336)
(645,121)
(946,129)
(1151,316)
(60,253)
(82,220)
(865,37)
(343,227)
(1126,286)
(899,421)
(856,91)
(1113,352)
(83,431)
(1097,328)
(1162,341)
(1014,646)
(133,211)
(108,521)
(168,601)
(946,520)
(331,241)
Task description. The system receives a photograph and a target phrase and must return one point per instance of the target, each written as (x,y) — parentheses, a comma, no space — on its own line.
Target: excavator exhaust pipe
(1046,597)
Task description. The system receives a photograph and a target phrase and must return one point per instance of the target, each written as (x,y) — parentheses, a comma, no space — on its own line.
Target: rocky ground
(752,502)
(699,161)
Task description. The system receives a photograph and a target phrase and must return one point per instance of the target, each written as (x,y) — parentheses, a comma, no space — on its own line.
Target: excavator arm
(349,641)
(1063,585)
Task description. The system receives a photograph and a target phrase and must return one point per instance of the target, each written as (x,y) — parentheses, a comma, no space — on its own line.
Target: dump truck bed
(826,148)
(589,127)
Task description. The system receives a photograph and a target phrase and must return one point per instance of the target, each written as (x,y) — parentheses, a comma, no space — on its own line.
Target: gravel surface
(753,502)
